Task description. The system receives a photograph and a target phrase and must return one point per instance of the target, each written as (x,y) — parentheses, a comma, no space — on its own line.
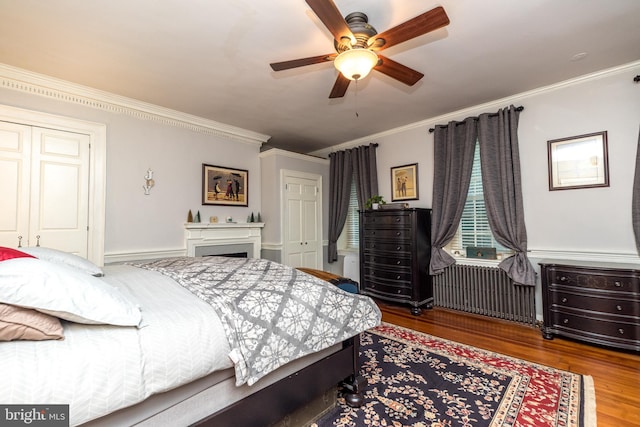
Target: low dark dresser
(597,302)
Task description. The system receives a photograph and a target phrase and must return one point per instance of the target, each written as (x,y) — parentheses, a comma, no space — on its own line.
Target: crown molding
(38,84)
(306,157)
(499,103)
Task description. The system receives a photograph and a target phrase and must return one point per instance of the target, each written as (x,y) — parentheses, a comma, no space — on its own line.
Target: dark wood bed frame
(275,402)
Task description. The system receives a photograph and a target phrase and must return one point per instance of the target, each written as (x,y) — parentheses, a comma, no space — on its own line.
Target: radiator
(484,290)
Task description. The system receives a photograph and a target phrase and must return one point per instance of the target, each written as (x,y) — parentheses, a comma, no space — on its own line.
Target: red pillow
(8,253)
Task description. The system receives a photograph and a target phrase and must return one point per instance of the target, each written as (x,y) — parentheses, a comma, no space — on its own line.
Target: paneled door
(302,221)
(44,179)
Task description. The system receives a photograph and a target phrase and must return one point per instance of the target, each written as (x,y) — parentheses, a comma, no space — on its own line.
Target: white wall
(136,223)
(589,223)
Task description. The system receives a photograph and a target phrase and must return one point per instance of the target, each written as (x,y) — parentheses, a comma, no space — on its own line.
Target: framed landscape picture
(578,162)
(224,186)
(404,182)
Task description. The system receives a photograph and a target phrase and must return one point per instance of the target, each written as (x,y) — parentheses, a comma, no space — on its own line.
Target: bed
(177,341)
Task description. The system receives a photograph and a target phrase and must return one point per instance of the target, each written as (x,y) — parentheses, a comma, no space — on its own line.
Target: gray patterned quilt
(272,313)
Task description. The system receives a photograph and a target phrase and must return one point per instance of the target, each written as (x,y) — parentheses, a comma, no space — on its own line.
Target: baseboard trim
(120,257)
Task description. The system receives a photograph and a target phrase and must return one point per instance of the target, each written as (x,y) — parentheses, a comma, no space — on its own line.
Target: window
(352,224)
(474,229)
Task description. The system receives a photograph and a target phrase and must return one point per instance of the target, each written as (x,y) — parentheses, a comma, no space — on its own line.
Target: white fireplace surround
(223,238)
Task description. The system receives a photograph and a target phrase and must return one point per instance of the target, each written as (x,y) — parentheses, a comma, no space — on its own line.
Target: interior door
(60,190)
(302,223)
(44,174)
(15,172)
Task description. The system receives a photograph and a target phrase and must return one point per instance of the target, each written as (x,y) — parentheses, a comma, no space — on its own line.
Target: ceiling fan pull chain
(357,115)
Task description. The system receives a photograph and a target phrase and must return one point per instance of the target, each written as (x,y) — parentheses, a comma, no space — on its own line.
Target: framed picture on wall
(578,162)
(404,182)
(224,186)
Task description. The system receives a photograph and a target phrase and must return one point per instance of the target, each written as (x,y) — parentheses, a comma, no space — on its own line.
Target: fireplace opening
(232,255)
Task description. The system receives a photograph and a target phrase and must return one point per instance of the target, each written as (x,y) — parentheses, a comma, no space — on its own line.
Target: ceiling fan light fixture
(356,63)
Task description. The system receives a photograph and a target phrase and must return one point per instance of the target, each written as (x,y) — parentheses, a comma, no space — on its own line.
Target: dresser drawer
(372,258)
(386,219)
(379,234)
(594,280)
(595,327)
(600,303)
(388,289)
(398,247)
(399,275)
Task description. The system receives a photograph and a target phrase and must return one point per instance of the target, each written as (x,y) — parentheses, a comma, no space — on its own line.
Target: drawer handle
(398,262)
(563,279)
(398,248)
(619,307)
(398,233)
(618,284)
(621,331)
(397,219)
(565,321)
(564,300)
(398,277)
(373,246)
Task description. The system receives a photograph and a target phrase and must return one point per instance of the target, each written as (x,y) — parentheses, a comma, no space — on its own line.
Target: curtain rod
(520,108)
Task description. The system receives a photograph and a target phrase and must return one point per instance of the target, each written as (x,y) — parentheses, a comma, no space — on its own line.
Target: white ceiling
(210,58)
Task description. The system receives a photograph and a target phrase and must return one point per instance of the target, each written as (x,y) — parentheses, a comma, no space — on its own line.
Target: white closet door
(303,243)
(59,190)
(15,171)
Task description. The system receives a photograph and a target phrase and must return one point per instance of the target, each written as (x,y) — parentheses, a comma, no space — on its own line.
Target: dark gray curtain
(500,160)
(340,173)
(453,160)
(365,169)
(359,163)
(635,201)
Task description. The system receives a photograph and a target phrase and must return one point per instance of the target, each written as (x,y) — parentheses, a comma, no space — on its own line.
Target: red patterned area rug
(417,380)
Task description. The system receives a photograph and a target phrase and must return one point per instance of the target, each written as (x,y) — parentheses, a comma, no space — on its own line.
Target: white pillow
(64,292)
(60,257)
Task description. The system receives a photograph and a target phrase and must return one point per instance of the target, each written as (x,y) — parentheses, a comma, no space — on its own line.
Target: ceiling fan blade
(421,24)
(340,87)
(286,65)
(398,71)
(331,17)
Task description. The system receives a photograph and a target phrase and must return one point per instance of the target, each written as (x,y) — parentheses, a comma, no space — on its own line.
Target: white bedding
(90,369)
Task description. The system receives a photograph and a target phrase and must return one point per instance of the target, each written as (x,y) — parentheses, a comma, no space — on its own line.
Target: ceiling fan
(357,45)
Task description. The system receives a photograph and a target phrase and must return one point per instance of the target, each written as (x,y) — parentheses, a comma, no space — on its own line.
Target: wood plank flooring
(616,374)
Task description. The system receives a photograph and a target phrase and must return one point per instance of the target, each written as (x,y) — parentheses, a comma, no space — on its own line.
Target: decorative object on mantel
(197,217)
(149,182)
(189,216)
(374,202)
(213,219)
(259,217)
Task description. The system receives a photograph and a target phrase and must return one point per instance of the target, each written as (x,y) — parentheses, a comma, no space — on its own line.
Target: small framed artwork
(578,162)
(404,182)
(224,186)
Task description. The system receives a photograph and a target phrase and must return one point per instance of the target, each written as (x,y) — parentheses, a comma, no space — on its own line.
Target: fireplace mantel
(215,239)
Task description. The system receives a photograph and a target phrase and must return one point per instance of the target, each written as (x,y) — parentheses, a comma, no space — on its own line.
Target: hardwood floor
(616,374)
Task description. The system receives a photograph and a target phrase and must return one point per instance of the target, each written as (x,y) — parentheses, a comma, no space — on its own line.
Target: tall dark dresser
(395,249)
